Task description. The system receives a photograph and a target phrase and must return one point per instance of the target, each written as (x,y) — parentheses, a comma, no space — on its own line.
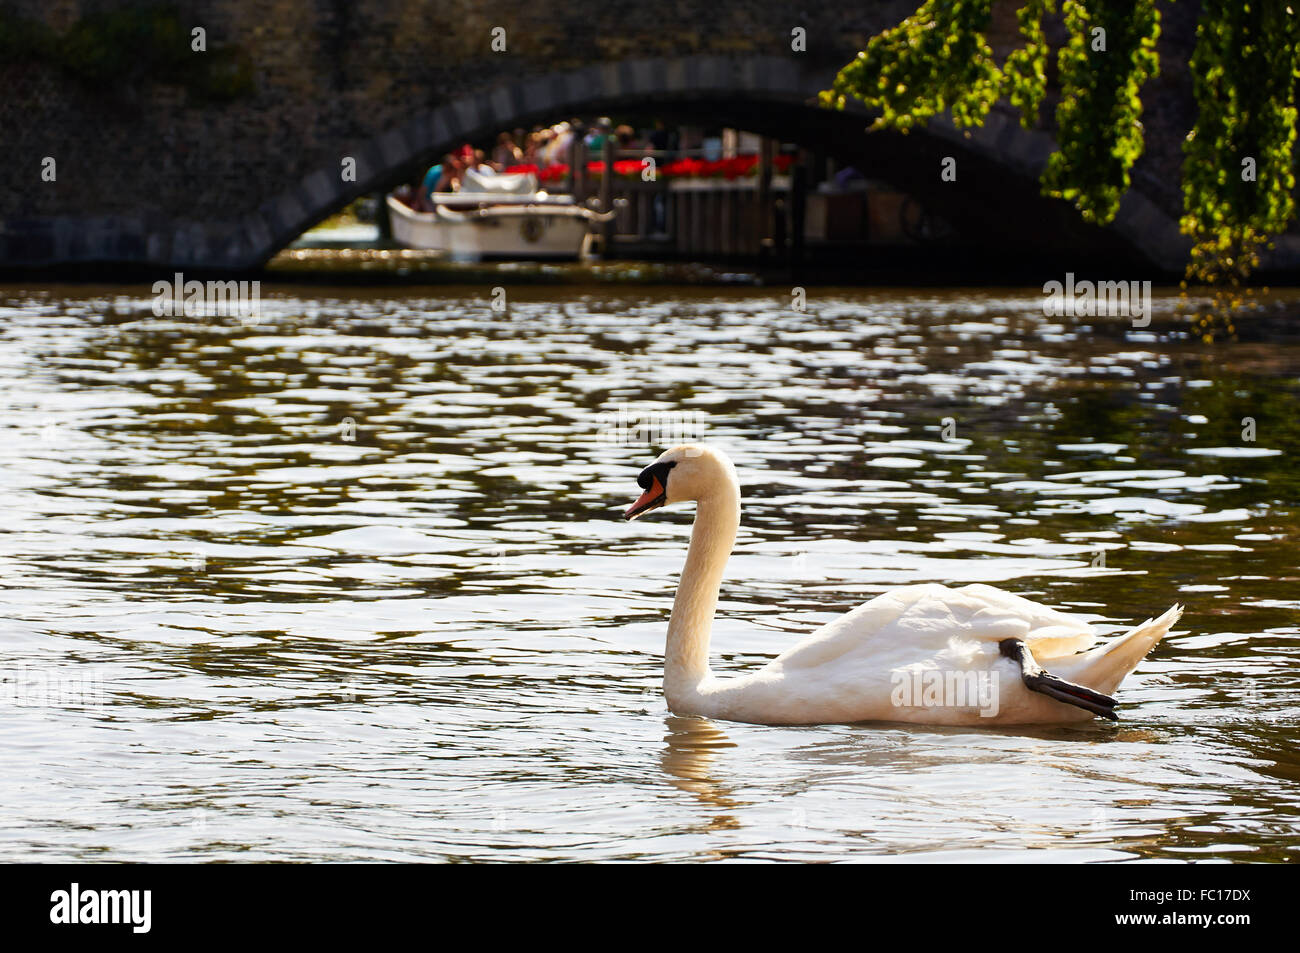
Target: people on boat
(443,177)
(432,179)
(661,139)
(547,152)
(506,153)
(533,146)
(557,149)
(627,138)
(597,134)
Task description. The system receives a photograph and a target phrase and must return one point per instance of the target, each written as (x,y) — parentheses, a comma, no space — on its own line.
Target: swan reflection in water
(691,748)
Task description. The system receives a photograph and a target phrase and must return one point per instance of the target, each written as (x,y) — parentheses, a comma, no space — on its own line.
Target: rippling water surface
(230,632)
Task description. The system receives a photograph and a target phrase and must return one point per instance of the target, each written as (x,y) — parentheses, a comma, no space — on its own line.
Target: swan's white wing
(920,620)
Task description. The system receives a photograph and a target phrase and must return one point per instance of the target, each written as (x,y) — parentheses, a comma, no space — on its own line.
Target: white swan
(926,654)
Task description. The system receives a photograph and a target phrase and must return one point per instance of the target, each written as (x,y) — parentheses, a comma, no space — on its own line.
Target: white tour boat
(497,216)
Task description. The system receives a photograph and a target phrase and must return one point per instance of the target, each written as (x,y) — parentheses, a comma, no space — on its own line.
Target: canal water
(351,582)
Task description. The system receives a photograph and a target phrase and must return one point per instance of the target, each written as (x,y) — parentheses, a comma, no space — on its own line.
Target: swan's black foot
(1038,680)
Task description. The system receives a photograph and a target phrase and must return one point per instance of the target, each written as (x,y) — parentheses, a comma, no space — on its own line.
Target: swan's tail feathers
(1103,668)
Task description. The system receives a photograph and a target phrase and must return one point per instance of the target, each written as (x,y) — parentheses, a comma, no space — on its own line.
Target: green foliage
(1026,68)
(1244,69)
(125,47)
(935,60)
(1099,117)
(938,59)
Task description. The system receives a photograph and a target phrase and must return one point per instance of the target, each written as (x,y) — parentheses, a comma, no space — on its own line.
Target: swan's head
(683,473)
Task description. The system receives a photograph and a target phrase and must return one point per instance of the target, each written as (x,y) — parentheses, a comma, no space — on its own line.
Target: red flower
(684,167)
(740,165)
(555,172)
(733,168)
(552,173)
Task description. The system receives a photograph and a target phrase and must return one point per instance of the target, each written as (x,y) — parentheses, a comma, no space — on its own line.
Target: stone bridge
(124,145)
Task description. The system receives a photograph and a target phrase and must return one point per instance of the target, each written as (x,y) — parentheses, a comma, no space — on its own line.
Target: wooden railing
(667,214)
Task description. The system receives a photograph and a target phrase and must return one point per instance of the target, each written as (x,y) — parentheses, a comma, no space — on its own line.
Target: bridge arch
(997,189)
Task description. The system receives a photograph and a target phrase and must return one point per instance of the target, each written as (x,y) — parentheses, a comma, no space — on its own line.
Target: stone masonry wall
(142,164)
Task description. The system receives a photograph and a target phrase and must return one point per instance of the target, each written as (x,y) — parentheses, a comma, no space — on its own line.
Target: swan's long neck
(686,657)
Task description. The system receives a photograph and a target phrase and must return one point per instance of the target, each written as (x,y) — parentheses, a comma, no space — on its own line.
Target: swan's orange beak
(654,480)
(648,500)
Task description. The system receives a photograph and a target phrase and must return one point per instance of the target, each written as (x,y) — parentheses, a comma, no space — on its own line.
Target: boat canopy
(517,183)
